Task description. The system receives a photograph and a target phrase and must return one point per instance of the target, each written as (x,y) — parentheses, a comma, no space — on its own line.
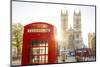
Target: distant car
(72,53)
(82,53)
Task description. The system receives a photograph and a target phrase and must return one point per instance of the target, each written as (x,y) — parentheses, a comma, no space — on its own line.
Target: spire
(61,13)
(64,19)
(64,12)
(77,12)
(77,20)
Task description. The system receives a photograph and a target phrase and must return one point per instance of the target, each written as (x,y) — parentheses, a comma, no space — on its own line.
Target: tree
(17,37)
(93,46)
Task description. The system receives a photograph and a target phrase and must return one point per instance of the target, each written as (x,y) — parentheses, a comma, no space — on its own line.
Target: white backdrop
(5,33)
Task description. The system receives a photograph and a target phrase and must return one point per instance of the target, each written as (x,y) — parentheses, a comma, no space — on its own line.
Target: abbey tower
(72,37)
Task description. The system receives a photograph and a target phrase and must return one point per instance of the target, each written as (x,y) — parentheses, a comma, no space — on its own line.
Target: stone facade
(91,43)
(72,37)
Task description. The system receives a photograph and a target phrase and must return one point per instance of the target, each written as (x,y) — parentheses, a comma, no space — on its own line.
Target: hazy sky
(25,13)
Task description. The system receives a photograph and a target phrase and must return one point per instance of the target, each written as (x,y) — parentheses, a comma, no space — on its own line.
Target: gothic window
(77,22)
(77,36)
(71,36)
(64,19)
(77,42)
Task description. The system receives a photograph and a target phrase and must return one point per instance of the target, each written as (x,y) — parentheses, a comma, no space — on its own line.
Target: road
(16,62)
(69,59)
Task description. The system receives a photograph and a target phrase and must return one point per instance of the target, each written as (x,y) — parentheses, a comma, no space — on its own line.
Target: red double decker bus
(39,44)
(82,54)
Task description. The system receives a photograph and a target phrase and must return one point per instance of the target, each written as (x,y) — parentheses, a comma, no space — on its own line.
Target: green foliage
(17,37)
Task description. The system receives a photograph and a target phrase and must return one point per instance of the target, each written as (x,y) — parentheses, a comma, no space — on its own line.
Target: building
(72,37)
(91,43)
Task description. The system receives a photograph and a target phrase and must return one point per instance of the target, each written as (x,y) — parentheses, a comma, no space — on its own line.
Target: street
(69,59)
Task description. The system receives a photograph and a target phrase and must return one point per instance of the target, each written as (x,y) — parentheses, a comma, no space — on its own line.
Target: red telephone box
(39,44)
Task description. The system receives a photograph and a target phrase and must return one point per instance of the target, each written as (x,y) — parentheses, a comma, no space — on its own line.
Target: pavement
(69,59)
(16,62)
